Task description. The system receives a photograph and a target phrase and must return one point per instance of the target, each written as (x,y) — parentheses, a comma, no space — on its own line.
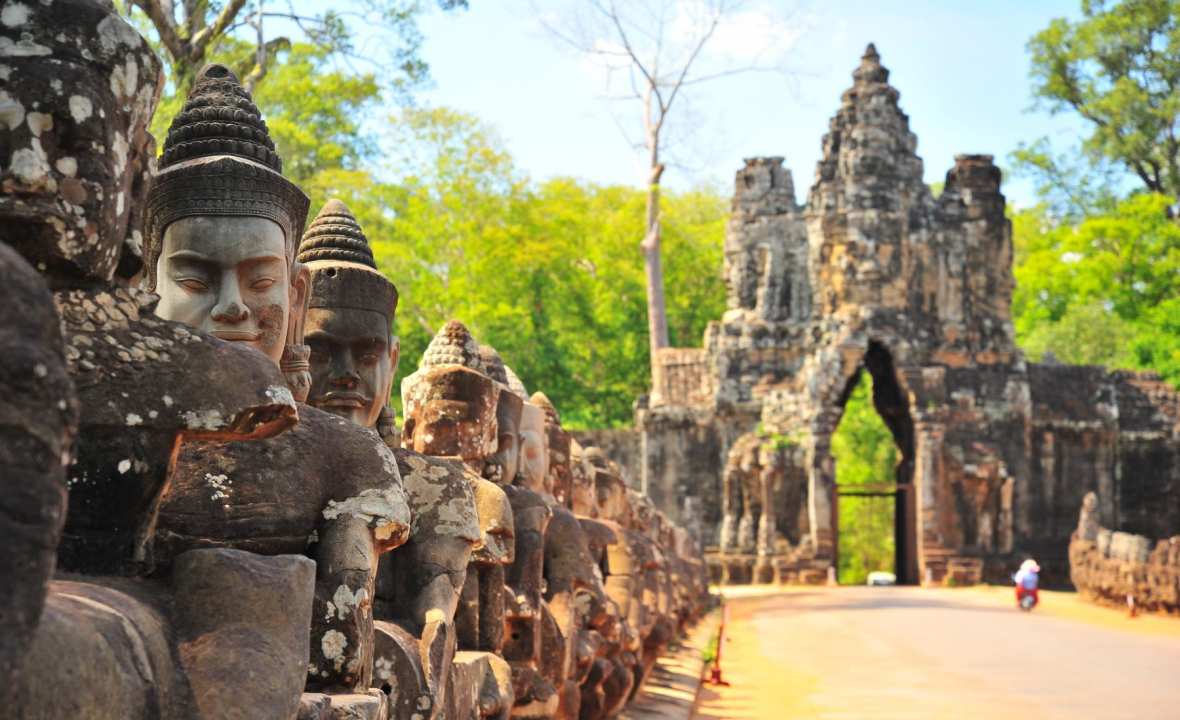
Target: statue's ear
(299,294)
(395,356)
(395,349)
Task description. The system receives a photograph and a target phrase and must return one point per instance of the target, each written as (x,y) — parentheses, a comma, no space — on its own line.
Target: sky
(961,68)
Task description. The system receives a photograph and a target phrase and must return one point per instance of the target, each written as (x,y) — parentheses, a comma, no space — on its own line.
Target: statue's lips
(342,399)
(235,335)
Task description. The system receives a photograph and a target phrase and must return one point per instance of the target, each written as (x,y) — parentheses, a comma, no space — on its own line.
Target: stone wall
(1122,569)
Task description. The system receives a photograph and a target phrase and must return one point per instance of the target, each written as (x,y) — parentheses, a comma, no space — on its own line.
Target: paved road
(918,653)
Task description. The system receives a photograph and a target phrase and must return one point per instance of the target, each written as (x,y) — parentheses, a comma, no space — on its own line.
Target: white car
(880,577)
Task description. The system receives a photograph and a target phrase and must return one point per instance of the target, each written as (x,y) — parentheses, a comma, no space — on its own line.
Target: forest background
(549,272)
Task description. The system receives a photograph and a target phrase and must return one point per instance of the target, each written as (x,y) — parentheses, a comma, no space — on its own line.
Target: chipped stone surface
(1120,569)
(38,420)
(71,229)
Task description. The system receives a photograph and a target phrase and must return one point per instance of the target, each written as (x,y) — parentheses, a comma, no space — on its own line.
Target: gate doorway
(874,510)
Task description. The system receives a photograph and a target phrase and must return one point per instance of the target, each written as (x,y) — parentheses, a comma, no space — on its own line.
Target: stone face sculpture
(222,224)
(74,172)
(450,408)
(559,480)
(350,312)
(353,359)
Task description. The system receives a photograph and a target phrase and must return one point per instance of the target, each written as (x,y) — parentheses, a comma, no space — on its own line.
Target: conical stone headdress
(453,345)
(515,384)
(493,364)
(219,160)
(343,271)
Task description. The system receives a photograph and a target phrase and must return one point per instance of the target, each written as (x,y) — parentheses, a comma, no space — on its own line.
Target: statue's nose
(230,308)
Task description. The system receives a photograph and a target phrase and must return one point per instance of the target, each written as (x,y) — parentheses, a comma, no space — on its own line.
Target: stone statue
(623,560)
(353,358)
(558,480)
(450,407)
(200,489)
(1088,525)
(349,318)
(537,694)
(222,224)
(129,647)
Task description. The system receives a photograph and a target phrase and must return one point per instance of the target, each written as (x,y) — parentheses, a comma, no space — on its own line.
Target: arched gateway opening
(868,498)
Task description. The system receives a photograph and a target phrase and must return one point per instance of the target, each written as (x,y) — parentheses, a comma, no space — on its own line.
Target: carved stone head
(504,465)
(78,86)
(610,492)
(450,404)
(222,223)
(350,311)
(583,498)
(534,449)
(643,516)
(558,440)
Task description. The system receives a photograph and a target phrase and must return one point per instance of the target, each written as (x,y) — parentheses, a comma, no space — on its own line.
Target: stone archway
(891,402)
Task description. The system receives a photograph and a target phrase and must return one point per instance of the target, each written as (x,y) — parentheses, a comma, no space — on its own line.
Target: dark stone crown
(335,235)
(219,118)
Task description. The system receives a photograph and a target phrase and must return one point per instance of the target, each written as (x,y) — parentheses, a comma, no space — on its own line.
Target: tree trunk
(657,316)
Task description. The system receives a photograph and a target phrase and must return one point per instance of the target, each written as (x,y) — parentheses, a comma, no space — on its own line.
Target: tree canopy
(1118,69)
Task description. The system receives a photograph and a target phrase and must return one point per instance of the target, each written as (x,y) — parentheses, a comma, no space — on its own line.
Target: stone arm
(353,535)
(342,616)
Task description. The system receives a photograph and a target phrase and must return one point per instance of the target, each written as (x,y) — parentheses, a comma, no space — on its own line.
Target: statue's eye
(368,358)
(192,284)
(262,284)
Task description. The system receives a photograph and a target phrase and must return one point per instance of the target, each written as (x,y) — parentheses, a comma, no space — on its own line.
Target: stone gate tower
(875,274)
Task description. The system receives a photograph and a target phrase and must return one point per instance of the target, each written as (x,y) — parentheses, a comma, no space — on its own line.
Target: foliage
(242,34)
(311,109)
(1117,68)
(1098,291)
(865,454)
(1071,185)
(547,274)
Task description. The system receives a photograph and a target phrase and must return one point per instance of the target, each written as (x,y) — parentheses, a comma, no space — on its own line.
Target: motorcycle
(1026,599)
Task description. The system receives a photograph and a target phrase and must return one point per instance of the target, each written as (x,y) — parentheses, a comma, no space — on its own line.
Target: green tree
(544,273)
(1117,68)
(1099,291)
(865,454)
(191,33)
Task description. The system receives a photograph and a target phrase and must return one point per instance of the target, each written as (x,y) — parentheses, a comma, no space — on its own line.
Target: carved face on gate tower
(222,223)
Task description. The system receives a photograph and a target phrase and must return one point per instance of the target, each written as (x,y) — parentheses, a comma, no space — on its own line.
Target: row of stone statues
(211,512)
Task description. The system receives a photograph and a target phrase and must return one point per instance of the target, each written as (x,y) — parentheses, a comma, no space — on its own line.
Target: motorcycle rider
(1027,579)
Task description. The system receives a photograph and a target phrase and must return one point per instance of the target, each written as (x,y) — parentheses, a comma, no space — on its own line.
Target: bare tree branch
(165,25)
(200,41)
